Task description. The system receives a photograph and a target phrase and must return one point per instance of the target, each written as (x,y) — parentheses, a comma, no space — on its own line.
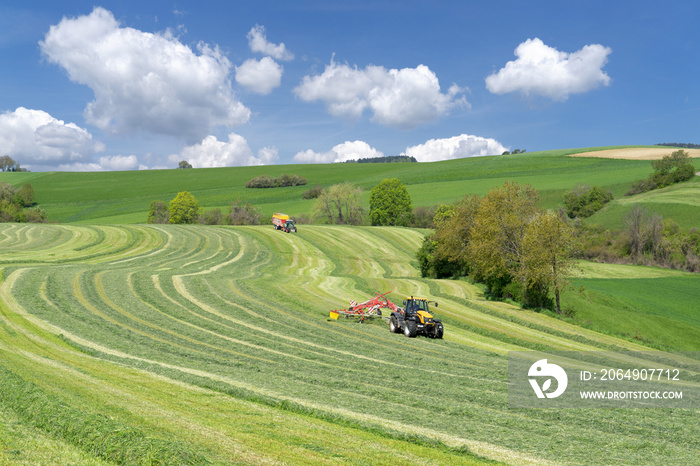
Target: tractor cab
(289,226)
(416,319)
(415,305)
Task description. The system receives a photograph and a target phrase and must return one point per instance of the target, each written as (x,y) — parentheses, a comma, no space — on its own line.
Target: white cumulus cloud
(144,81)
(214,153)
(456,147)
(37,140)
(257,40)
(108,163)
(402,98)
(260,76)
(349,150)
(543,70)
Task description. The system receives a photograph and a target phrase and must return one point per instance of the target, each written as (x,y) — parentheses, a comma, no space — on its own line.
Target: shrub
(158,213)
(583,201)
(262,181)
(641,186)
(240,213)
(671,169)
(211,217)
(423,217)
(312,193)
(266,181)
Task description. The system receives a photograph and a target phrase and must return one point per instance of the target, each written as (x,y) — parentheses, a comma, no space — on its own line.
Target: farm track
(240,315)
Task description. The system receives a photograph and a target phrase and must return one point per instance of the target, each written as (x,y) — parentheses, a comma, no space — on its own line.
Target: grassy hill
(214,343)
(124,197)
(125,343)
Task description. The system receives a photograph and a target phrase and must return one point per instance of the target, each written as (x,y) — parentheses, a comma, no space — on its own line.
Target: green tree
(25,195)
(184,164)
(453,228)
(158,213)
(496,241)
(7,164)
(549,246)
(390,204)
(184,208)
(340,204)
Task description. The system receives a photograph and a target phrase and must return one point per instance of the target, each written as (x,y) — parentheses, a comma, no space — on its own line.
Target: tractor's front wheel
(409,329)
(439,331)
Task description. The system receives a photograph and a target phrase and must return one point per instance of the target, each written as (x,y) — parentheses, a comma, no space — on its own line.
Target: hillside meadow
(124,197)
(125,343)
(214,344)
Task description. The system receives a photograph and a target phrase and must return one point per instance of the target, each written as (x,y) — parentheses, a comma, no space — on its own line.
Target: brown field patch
(636,153)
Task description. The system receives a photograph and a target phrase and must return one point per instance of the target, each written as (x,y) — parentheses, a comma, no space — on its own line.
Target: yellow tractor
(415,319)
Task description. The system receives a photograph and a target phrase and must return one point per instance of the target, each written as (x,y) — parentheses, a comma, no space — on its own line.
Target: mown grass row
(95,433)
(244,312)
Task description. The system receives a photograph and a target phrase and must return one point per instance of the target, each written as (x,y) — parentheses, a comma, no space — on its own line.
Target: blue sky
(143,85)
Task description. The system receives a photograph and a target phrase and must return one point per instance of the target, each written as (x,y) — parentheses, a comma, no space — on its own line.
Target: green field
(214,344)
(124,197)
(125,343)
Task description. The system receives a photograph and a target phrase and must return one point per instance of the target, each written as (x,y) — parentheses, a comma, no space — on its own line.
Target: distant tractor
(284,223)
(415,319)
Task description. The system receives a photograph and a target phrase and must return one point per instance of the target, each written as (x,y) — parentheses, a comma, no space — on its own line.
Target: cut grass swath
(240,315)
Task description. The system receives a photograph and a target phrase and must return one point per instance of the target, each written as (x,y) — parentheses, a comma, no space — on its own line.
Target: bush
(671,169)
(583,201)
(641,186)
(312,193)
(14,200)
(36,216)
(262,181)
(240,213)
(266,181)
(158,213)
(423,217)
(211,217)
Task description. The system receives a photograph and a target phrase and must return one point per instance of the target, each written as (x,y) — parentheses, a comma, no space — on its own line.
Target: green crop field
(124,197)
(130,344)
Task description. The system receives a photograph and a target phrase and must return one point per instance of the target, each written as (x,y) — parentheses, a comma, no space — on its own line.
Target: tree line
(7,164)
(646,238)
(185,209)
(685,145)
(671,169)
(506,241)
(267,181)
(14,203)
(385,159)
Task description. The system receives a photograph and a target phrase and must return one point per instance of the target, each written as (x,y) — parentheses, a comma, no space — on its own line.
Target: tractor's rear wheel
(409,329)
(394,325)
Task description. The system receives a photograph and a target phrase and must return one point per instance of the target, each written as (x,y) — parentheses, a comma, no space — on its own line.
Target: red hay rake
(369,308)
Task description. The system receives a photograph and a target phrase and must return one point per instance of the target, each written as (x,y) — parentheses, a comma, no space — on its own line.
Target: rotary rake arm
(369,308)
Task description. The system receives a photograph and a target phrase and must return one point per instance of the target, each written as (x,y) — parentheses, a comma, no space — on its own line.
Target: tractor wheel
(394,325)
(439,331)
(409,329)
